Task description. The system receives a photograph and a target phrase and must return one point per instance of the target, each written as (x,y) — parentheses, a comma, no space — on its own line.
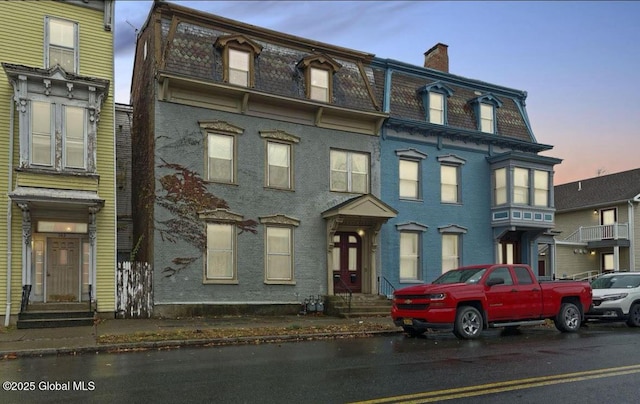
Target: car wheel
(412,332)
(568,318)
(634,316)
(468,323)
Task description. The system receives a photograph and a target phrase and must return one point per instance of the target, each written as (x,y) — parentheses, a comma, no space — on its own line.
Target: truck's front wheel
(468,323)
(568,318)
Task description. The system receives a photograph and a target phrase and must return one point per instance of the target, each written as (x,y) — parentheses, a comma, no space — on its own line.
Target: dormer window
(238,55)
(319,90)
(486,118)
(434,100)
(485,108)
(318,73)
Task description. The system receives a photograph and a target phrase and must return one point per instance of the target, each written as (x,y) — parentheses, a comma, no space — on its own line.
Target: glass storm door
(63,270)
(347,269)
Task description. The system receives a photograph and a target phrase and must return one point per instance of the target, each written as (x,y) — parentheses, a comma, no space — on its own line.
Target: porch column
(332,227)
(26,244)
(375,273)
(616,258)
(92,252)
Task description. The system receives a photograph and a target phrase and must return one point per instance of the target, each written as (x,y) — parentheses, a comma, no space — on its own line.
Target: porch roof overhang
(57,198)
(362,207)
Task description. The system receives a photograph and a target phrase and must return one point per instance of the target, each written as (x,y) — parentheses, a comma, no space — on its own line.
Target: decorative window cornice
(240,41)
(452,229)
(451,159)
(411,154)
(437,87)
(279,219)
(279,135)
(412,226)
(220,126)
(319,60)
(487,99)
(220,215)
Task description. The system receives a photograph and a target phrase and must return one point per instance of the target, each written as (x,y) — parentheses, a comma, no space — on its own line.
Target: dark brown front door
(347,262)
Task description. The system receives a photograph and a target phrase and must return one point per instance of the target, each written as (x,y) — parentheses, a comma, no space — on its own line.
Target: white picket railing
(614,231)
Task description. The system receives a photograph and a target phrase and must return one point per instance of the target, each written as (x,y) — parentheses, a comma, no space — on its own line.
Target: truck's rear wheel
(468,323)
(568,318)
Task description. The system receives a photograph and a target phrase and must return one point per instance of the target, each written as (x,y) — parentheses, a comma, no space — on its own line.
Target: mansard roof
(405,102)
(187,43)
(598,191)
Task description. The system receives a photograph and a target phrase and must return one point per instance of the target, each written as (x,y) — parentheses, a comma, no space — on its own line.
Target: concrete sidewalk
(133,334)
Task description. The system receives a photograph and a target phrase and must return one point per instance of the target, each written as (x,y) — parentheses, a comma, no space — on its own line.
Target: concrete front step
(54,315)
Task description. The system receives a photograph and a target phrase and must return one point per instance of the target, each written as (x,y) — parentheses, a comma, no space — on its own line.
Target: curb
(176,344)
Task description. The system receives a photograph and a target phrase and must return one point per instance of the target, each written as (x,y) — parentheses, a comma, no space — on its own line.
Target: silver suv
(616,297)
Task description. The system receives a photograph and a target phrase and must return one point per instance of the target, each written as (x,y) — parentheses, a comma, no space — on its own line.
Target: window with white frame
(221,252)
(500,186)
(487,118)
(436,108)
(279,249)
(221,161)
(349,171)
(61,44)
(409,173)
(409,256)
(450,251)
(521,186)
(541,188)
(239,67)
(449,186)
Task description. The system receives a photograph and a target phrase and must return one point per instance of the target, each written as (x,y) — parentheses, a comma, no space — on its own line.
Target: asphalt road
(536,365)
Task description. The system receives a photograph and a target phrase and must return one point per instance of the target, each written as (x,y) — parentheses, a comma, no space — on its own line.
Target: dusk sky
(578,61)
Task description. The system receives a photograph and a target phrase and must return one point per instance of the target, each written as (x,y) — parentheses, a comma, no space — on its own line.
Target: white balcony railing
(614,231)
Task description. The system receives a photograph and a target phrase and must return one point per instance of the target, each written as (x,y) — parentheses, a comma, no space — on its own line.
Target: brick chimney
(437,58)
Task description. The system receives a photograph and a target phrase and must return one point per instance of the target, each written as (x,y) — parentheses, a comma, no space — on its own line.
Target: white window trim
(412,228)
(456,162)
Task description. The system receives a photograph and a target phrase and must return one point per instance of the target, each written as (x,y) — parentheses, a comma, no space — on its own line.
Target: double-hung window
(349,171)
(486,118)
(450,178)
(238,55)
(221,157)
(409,173)
(319,86)
(541,188)
(42,129)
(409,256)
(239,67)
(279,159)
(74,143)
(449,187)
(500,186)
(221,252)
(61,43)
(279,247)
(450,252)
(436,108)
(521,186)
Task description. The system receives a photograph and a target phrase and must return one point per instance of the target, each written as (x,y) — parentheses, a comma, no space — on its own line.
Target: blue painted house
(462,167)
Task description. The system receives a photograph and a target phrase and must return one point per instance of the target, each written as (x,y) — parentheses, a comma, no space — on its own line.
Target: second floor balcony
(587,234)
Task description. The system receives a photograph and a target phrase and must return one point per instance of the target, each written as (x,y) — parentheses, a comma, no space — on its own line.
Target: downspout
(9,208)
(632,234)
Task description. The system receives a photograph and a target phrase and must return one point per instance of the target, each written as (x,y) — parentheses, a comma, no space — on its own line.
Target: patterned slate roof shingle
(598,191)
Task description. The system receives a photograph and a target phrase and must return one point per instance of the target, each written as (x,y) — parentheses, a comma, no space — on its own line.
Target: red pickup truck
(470,299)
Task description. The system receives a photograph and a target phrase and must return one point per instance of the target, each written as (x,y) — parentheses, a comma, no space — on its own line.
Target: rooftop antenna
(132,26)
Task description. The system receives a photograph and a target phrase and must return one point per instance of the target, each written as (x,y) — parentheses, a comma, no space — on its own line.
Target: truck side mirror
(495,281)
